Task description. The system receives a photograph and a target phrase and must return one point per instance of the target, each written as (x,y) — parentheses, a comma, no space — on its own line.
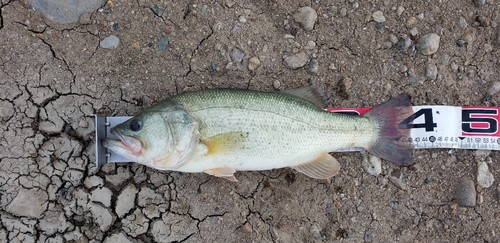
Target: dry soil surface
(54,76)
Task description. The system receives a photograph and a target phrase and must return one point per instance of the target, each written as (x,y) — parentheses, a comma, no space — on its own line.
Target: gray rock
(462,23)
(429,44)
(28,203)
(400,10)
(237,55)
(110,42)
(68,11)
(378,16)
(253,63)
(479,3)
(465,193)
(296,61)
(313,66)
(396,177)
(431,71)
(306,17)
(126,200)
(484,177)
(163,43)
(371,164)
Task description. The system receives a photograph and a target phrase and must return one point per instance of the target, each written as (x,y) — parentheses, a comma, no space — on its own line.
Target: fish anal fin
(224,142)
(323,166)
(310,93)
(223,172)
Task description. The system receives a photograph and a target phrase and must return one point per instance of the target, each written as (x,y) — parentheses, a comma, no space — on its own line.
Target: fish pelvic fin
(323,166)
(224,142)
(223,172)
(391,142)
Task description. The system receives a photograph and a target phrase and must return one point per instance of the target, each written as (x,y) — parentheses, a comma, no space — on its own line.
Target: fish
(222,131)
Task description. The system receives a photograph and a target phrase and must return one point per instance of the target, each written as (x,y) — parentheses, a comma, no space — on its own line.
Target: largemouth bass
(223,131)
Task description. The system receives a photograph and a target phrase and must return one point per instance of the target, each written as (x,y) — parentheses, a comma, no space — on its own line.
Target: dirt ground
(54,76)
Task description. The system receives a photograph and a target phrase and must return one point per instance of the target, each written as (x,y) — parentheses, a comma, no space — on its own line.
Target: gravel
(465,193)
(296,61)
(313,66)
(67,11)
(484,177)
(431,71)
(110,42)
(429,44)
(378,16)
(371,164)
(237,55)
(306,17)
(253,63)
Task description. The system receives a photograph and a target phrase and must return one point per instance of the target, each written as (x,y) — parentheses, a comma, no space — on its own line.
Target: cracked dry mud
(53,77)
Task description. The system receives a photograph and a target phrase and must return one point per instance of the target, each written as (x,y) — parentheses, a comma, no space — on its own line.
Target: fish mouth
(130,144)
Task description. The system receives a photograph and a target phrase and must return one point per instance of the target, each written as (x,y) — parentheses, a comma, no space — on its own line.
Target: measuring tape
(430,126)
(460,127)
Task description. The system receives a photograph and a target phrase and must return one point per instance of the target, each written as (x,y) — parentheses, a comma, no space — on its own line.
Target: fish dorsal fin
(224,142)
(310,93)
(223,172)
(323,166)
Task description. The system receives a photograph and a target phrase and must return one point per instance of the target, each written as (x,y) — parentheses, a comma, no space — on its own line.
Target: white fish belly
(277,141)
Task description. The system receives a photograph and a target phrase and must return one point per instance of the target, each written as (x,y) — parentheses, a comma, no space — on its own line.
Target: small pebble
(242,19)
(494,88)
(396,177)
(371,164)
(414,31)
(379,26)
(253,63)
(306,17)
(483,20)
(296,61)
(332,66)
(487,47)
(393,39)
(163,43)
(465,193)
(110,42)
(237,55)
(85,18)
(343,12)
(310,45)
(400,10)
(313,66)
(454,67)
(462,23)
(378,16)
(431,71)
(479,3)
(468,36)
(411,21)
(420,16)
(288,36)
(429,44)
(484,177)
(276,84)
(403,69)
(246,228)
(355,5)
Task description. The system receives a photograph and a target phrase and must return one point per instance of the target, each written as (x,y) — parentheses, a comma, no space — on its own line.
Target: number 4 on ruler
(428,124)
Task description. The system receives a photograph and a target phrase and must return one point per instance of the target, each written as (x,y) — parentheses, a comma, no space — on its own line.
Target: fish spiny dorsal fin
(223,172)
(310,93)
(224,142)
(323,166)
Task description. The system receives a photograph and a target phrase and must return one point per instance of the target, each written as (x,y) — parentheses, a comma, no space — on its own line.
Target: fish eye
(135,125)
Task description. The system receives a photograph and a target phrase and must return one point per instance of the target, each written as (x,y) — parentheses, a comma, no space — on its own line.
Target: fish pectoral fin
(223,172)
(224,142)
(323,166)
(310,93)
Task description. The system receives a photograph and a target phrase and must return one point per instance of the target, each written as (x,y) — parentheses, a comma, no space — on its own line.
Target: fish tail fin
(390,143)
